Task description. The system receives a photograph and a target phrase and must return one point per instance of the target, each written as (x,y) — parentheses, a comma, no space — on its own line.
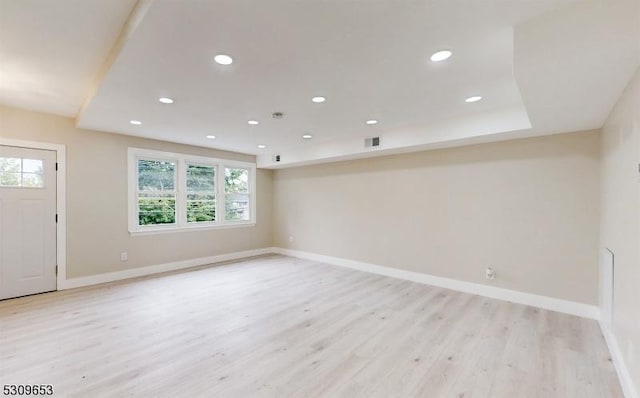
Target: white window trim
(181,161)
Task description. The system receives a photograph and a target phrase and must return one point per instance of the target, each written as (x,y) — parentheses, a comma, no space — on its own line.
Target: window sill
(170,230)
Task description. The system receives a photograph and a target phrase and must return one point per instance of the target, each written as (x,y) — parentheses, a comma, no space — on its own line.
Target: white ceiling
(542,67)
(50,51)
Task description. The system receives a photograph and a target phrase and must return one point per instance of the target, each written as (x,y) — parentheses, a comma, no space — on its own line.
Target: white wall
(529,208)
(97,199)
(620,220)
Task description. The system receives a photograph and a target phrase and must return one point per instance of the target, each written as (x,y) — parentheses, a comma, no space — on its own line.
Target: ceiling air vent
(371,142)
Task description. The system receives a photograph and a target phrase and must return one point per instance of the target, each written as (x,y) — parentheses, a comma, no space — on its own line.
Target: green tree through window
(173,191)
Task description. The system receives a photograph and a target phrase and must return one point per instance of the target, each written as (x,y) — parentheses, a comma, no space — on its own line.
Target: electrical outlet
(291,239)
(490,273)
(124,256)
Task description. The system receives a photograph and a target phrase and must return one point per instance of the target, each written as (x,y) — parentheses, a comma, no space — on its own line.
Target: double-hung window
(156,191)
(237,195)
(172,191)
(201,193)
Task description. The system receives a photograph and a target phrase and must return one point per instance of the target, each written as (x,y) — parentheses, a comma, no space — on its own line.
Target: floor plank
(276,326)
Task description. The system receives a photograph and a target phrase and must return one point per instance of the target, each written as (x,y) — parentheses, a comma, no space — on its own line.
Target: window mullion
(220,195)
(137,190)
(252,194)
(181,193)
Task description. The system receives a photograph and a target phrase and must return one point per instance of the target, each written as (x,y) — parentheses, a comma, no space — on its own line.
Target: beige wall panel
(620,222)
(528,208)
(97,199)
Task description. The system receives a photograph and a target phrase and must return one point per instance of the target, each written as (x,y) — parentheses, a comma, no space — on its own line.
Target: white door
(27,221)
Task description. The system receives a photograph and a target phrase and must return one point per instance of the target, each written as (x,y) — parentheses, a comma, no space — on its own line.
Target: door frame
(61,198)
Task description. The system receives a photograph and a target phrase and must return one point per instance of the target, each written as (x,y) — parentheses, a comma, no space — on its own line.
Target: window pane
(156,175)
(156,211)
(8,179)
(32,166)
(200,178)
(236,180)
(237,207)
(201,205)
(201,210)
(32,180)
(12,165)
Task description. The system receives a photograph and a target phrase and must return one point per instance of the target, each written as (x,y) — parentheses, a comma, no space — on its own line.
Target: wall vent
(371,142)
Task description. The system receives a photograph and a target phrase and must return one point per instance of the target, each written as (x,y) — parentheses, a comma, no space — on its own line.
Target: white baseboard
(628,388)
(154,269)
(548,303)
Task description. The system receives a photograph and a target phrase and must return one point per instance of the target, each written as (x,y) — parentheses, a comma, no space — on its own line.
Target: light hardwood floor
(276,326)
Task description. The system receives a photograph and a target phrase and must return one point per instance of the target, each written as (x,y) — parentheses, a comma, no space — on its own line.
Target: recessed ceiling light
(223,59)
(211,137)
(372,121)
(262,146)
(165,100)
(475,98)
(253,122)
(307,136)
(318,99)
(440,55)
(136,122)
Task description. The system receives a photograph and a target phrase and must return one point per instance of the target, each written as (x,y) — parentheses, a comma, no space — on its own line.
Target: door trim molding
(61,198)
